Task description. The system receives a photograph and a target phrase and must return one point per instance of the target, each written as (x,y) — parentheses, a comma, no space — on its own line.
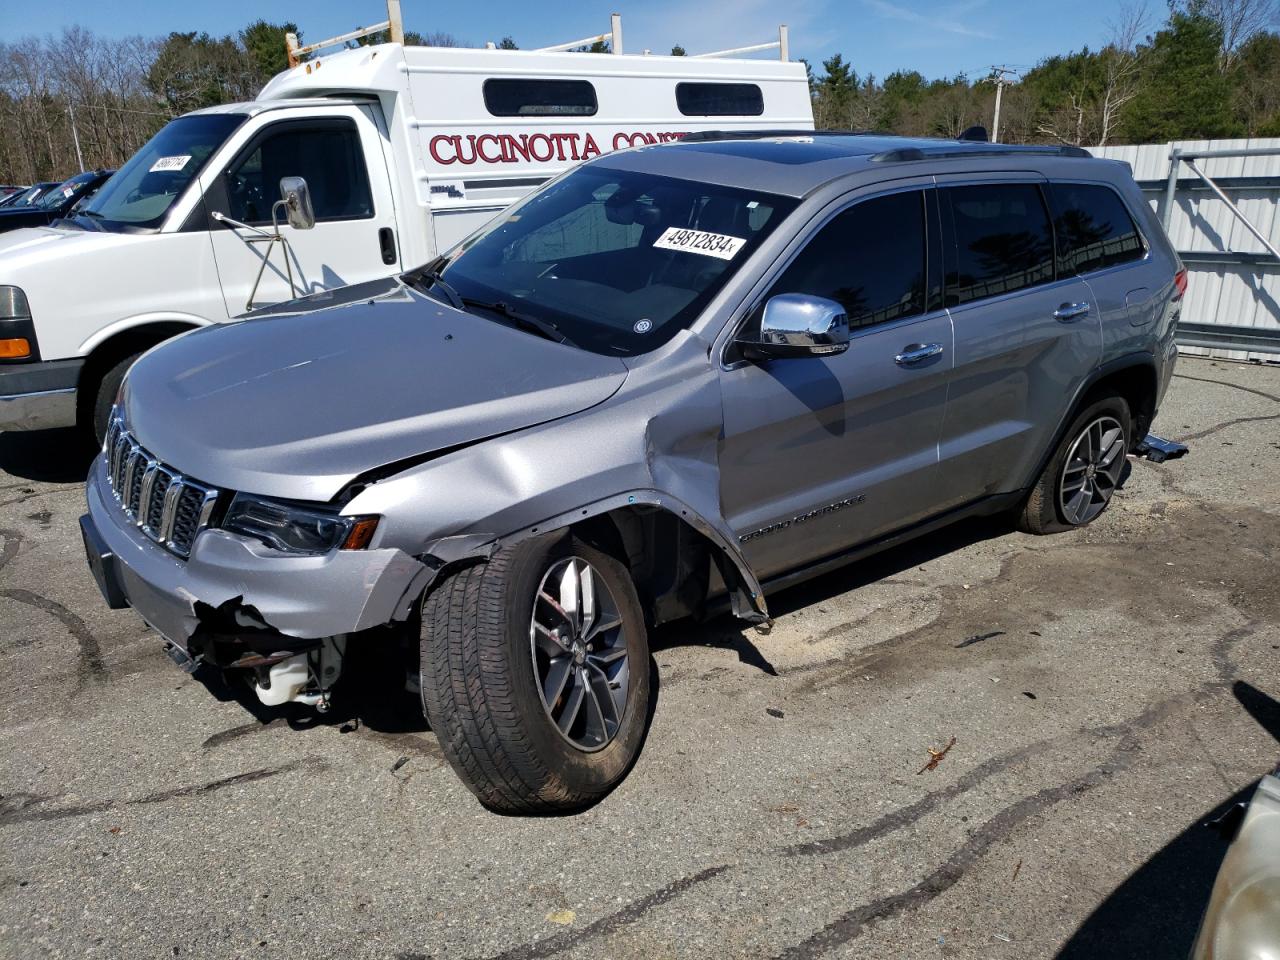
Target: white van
(404,151)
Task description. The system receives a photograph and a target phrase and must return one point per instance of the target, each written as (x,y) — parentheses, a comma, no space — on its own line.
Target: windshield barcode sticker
(699,241)
(170,163)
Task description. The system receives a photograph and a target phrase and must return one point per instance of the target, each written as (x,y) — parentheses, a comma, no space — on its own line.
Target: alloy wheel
(1092,471)
(579,654)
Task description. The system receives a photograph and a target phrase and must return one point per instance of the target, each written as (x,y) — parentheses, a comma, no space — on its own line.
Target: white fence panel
(1233,280)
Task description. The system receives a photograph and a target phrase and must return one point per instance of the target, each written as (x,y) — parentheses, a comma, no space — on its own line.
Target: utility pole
(75,135)
(997,77)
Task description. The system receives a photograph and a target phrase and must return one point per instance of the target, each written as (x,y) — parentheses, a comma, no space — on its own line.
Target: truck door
(339,153)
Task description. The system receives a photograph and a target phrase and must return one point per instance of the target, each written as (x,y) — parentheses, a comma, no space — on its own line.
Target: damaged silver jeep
(677,378)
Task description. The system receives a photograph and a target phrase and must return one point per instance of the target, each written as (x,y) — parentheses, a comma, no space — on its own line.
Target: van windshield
(616,261)
(140,194)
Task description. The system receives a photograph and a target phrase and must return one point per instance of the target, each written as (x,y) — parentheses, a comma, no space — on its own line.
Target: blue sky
(936,37)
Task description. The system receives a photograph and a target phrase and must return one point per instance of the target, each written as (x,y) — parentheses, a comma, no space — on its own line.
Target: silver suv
(677,376)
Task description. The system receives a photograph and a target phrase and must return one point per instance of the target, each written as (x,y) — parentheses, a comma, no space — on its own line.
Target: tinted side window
(329,158)
(540,98)
(1003,240)
(1094,229)
(871,259)
(719,99)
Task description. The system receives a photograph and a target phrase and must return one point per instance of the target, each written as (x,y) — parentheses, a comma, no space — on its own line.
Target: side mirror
(296,197)
(798,325)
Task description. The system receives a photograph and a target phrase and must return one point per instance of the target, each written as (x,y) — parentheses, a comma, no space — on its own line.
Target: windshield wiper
(535,324)
(428,276)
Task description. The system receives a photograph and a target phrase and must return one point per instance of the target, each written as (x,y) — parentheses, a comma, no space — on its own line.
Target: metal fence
(1220,203)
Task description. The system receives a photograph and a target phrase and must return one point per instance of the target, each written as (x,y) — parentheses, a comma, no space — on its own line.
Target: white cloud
(948,19)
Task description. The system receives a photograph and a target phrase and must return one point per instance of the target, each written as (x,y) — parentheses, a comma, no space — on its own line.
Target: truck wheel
(1083,473)
(106,396)
(535,674)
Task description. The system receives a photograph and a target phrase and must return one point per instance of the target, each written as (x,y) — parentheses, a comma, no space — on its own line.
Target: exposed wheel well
(1137,384)
(110,352)
(672,564)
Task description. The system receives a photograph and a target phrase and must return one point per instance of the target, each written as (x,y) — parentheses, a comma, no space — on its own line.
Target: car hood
(296,406)
(24,217)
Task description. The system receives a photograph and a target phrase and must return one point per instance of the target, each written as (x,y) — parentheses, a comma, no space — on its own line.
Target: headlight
(13,304)
(17,336)
(298,530)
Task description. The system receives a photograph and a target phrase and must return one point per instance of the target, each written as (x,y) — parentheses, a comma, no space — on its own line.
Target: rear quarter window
(1094,229)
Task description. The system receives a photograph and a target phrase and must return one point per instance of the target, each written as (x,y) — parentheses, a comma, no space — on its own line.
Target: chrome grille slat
(167,507)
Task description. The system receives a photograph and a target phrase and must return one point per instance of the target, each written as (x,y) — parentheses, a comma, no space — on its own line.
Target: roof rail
(704,136)
(947,151)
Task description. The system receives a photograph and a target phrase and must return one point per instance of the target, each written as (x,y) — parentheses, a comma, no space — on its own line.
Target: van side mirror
(798,325)
(296,197)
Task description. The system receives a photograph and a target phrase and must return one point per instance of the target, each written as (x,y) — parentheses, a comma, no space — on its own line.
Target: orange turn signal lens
(14,348)
(361,533)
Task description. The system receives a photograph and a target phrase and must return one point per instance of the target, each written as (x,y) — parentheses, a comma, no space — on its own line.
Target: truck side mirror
(296,197)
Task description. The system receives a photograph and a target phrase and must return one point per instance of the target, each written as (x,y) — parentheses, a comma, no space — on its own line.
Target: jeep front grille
(168,507)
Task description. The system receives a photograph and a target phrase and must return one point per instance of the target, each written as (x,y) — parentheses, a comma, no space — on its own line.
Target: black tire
(105,396)
(1043,510)
(480,687)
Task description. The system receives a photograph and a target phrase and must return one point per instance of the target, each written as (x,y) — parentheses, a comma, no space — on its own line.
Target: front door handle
(915,352)
(1071,311)
(387,243)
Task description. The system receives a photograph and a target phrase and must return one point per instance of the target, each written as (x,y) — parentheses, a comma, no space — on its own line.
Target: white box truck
(404,150)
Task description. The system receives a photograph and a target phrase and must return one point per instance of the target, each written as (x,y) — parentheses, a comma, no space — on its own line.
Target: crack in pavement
(1210,431)
(852,923)
(1233,386)
(22,807)
(614,921)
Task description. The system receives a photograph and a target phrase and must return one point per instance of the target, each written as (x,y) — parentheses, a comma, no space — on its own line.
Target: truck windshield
(616,261)
(140,194)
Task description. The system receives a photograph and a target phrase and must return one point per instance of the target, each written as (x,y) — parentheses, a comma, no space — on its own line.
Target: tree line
(1210,69)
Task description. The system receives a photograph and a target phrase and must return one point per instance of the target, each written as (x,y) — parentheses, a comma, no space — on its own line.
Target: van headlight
(13,304)
(289,528)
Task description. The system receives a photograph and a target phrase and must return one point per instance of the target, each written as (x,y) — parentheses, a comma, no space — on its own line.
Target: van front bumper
(39,396)
(233,589)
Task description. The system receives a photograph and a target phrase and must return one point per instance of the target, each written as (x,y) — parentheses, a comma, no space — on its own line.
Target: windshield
(64,191)
(31,195)
(140,194)
(617,261)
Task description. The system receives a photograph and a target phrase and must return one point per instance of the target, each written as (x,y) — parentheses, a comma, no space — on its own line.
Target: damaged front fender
(746,594)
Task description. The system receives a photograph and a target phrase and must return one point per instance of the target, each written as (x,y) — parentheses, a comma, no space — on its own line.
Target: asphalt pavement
(984,744)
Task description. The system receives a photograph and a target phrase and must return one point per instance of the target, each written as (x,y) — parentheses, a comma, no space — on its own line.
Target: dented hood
(297,405)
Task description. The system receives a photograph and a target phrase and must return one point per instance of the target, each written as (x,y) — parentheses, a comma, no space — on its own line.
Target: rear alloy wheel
(535,673)
(1084,472)
(1091,471)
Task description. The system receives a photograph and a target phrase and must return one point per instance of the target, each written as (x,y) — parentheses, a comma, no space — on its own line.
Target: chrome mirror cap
(798,325)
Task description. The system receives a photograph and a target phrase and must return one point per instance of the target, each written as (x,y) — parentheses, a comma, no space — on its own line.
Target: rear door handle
(387,243)
(915,352)
(1071,311)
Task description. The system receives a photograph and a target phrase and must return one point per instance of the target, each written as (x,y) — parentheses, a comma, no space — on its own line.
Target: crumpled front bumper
(230,580)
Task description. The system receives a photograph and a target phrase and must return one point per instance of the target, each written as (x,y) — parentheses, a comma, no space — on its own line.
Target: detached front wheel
(535,674)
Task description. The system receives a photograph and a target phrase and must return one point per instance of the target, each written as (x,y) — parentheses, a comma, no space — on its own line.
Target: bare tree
(1122,64)
(1240,20)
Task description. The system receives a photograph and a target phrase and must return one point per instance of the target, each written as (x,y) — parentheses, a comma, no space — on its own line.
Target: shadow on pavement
(48,456)
(725,633)
(1156,911)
